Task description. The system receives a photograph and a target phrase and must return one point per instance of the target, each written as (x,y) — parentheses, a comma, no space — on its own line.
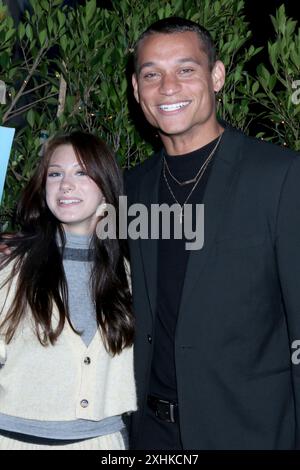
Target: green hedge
(86,51)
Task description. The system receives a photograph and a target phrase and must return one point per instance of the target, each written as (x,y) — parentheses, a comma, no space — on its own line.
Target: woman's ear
(101,208)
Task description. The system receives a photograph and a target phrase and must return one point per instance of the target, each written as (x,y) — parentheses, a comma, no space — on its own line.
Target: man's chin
(172,131)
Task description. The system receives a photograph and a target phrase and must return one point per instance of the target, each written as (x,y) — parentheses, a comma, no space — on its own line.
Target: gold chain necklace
(199,176)
(193,180)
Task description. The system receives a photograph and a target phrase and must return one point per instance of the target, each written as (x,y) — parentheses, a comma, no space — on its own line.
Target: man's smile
(167,108)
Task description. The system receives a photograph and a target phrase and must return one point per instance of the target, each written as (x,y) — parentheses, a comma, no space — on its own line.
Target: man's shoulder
(135,173)
(264,154)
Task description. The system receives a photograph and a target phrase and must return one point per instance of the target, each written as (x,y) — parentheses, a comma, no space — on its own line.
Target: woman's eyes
(55,174)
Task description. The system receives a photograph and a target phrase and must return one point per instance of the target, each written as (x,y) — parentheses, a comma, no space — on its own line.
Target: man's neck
(182,144)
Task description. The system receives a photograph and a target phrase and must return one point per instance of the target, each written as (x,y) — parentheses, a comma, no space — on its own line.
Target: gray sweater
(78,269)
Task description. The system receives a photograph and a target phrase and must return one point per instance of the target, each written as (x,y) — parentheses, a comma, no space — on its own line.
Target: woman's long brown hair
(38,258)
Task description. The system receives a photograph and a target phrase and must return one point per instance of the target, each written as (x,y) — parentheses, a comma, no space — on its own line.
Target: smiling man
(175,85)
(215,327)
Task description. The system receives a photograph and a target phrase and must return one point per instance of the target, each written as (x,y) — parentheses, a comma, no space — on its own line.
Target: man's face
(174,84)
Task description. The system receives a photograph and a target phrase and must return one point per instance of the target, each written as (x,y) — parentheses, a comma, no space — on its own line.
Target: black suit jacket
(240,306)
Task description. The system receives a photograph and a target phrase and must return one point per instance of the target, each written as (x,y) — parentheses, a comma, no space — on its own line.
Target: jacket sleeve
(288,259)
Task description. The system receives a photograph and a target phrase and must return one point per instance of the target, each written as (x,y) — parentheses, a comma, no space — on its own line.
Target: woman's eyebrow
(59,166)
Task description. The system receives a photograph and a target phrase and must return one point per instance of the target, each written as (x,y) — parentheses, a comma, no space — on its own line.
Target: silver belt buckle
(172,412)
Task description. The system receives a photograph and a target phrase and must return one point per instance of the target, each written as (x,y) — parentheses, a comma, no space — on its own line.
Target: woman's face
(71,195)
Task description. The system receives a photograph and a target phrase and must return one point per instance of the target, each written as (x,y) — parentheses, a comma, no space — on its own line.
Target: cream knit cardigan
(56,383)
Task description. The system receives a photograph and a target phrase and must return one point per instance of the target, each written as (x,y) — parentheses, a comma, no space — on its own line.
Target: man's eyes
(186,70)
(150,75)
(156,75)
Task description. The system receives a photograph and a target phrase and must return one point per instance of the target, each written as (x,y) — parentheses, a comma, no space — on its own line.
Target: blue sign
(6,139)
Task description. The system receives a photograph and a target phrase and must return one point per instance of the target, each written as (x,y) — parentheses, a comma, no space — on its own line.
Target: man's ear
(218,75)
(135,87)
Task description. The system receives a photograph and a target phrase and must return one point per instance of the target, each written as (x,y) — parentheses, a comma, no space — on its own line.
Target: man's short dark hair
(175,24)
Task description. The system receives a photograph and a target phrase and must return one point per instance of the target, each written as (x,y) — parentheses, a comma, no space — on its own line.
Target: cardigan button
(87,360)
(149,337)
(84,403)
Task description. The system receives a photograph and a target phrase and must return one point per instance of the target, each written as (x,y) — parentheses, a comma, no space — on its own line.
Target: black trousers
(156,434)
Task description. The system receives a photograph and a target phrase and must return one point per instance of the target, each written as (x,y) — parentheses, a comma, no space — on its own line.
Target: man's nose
(169,84)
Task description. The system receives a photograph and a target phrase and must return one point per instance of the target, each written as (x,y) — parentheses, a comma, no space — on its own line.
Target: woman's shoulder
(6,268)
(8,283)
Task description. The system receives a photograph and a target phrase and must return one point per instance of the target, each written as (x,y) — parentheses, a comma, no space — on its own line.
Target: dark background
(257,12)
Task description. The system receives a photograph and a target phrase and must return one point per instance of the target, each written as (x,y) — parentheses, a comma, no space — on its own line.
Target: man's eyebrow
(145,65)
(179,61)
(188,59)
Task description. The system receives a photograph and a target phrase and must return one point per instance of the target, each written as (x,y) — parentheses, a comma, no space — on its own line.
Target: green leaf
(29,32)
(50,24)
(255,87)
(161,13)
(21,30)
(290,27)
(30,117)
(168,11)
(272,81)
(43,37)
(63,42)
(263,73)
(273,53)
(251,51)
(237,74)
(9,34)
(217,8)
(61,18)
(90,9)
(281,19)
(123,87)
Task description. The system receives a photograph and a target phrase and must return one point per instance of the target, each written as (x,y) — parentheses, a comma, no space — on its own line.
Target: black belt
(163,409)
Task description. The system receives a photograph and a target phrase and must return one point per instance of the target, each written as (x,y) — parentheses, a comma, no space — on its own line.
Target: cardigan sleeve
(4,286)
(7,291)
(4,305)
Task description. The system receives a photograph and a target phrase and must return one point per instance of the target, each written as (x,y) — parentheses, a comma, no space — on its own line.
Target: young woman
(66,325)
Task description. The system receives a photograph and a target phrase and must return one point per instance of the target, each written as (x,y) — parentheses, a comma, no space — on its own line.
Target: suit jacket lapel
(218,186)
(149,195)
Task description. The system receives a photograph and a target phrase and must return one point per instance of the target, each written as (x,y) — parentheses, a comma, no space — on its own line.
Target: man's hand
(4,250)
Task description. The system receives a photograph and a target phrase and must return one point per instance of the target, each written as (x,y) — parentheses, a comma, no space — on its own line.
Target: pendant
(183,183)
(181,215)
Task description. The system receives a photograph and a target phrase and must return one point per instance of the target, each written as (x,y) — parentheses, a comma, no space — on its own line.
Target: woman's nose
(66,184)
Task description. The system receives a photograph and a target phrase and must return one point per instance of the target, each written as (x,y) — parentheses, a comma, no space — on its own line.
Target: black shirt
(172,261)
